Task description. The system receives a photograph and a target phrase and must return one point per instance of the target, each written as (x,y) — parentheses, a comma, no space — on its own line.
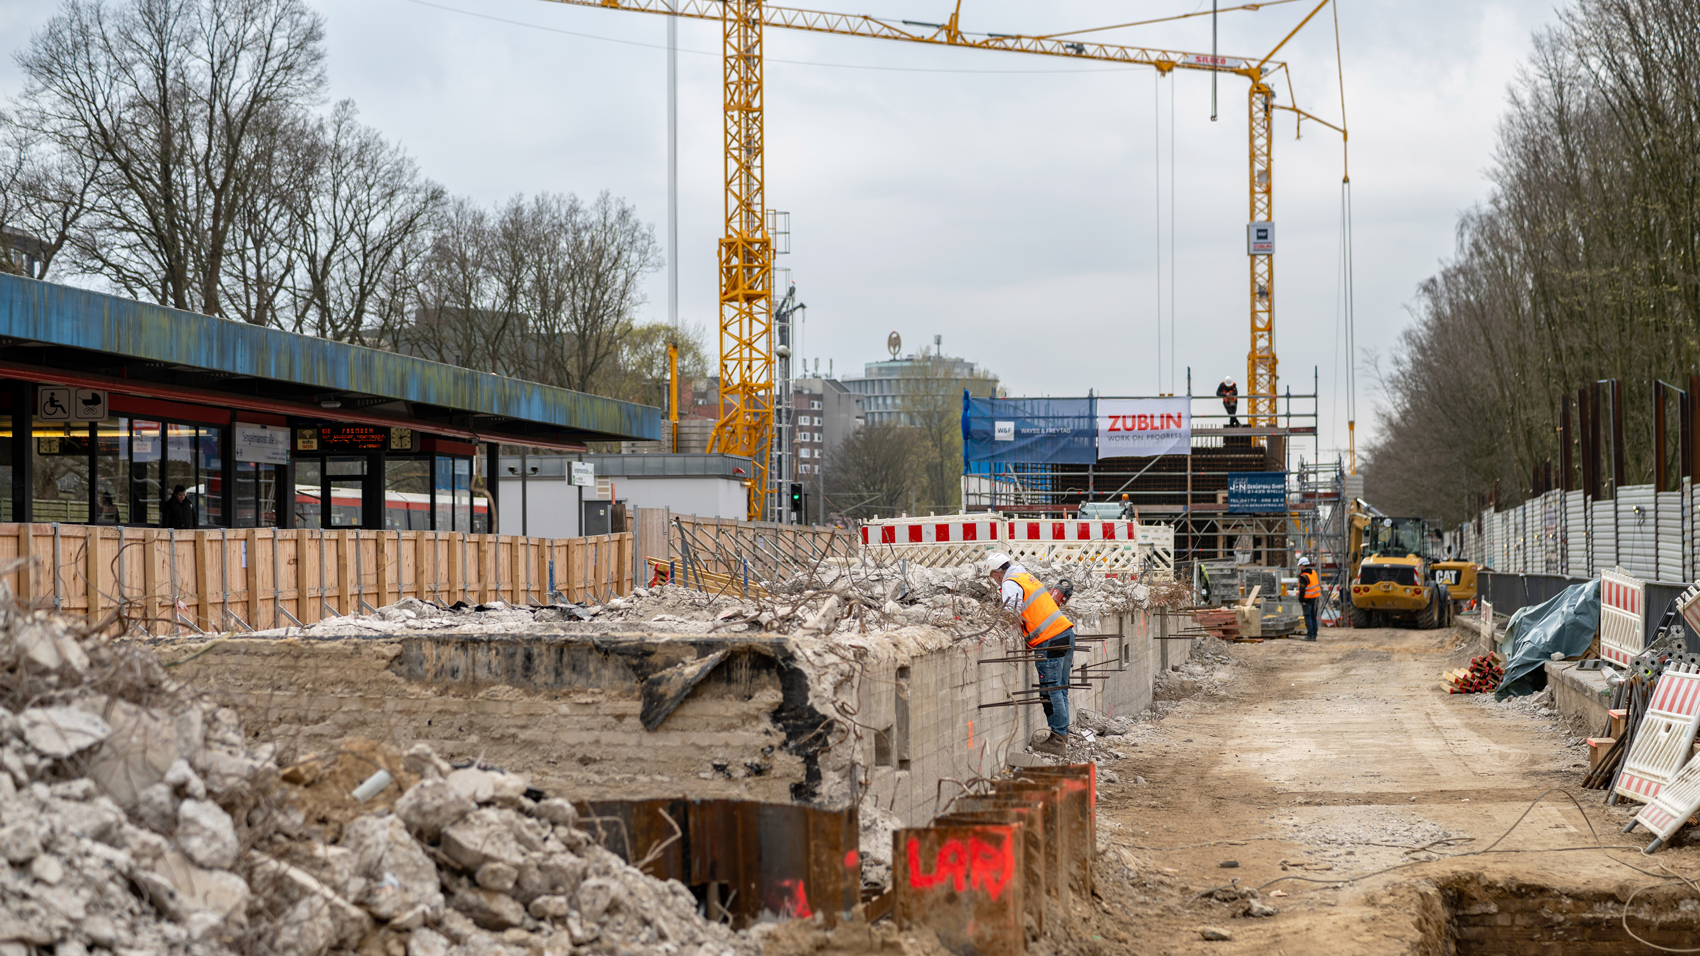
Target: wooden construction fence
(257,578)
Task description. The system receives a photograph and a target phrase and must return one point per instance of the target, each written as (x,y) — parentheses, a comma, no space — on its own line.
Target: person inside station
(1049,635)
(1229,393)
(1310,592)
(178,511)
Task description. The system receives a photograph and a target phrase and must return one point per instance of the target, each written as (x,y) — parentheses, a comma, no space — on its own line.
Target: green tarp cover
(1566,623)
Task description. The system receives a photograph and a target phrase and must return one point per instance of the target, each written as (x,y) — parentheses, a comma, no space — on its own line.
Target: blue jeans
(1054,660)
(1310,615)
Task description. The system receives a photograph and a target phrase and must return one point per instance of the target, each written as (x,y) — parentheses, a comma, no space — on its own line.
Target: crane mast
(1260,361)
(746,260)
(746,251)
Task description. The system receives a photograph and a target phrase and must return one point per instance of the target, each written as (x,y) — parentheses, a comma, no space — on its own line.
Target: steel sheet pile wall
(1018,854)
(177,582)
(1648,533)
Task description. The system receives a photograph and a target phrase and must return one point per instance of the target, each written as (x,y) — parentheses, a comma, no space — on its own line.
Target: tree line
(1583,264)
(181,152)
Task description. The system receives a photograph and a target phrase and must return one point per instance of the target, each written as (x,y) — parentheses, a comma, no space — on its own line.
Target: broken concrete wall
(565,710)
(883,717)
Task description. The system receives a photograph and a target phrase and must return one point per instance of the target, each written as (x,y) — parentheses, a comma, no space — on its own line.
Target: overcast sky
(1005,202)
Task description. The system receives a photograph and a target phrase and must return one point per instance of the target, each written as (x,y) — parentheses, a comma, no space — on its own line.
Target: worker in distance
(1229,393)
(1049,635)
(1310,592)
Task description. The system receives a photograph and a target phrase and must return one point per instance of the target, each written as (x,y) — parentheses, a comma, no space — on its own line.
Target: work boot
(1055,745)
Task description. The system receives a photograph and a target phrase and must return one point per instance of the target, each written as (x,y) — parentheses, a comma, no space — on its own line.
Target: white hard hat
(997,561)
(1304,562)
(1228,380)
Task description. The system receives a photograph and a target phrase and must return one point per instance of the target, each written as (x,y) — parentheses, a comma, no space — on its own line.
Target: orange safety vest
(1041,619)
(1310,584)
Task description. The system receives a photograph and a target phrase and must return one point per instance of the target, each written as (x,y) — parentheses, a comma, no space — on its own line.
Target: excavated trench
(1480,916)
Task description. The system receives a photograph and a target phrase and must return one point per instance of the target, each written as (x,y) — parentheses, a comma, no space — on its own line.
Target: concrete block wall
(951,738)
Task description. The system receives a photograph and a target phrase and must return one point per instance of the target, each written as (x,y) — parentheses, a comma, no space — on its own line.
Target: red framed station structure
(108,405)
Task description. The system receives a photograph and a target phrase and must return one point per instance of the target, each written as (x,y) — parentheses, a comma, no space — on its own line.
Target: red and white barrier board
(931,531)
(1675,802)
(1052,531)
(1115,546)
(1667,732)
(1622,627)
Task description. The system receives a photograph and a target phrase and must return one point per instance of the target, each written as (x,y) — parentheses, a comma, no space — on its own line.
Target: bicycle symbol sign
(57,404)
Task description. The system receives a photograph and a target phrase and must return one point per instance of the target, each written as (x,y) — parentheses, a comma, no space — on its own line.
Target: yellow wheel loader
(1395,579)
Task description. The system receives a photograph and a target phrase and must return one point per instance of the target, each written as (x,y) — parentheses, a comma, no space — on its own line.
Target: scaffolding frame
(1189,490)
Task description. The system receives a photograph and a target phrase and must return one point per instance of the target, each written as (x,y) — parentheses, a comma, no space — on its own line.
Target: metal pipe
(277,580)
(56,598)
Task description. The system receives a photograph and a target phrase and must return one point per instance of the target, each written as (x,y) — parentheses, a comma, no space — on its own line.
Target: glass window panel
(111,471)
(265,507)
(181,505)
(211,460)
(247,495)
(407,494)
(309,479)
(146,451)
(256,494)
(345,480)
(444,488)
(463,494)
(60,489)
(6,468)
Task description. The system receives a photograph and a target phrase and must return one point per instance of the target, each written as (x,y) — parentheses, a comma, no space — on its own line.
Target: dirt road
(1309,764)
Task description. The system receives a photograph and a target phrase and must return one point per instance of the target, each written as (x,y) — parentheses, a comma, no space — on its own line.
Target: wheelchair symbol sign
(56,404)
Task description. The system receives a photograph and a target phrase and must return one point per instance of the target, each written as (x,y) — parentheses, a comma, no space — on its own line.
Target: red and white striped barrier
(931,531)
(1623,597)
(1116,546)
(1667,732)
(1671,807)
(1022,530)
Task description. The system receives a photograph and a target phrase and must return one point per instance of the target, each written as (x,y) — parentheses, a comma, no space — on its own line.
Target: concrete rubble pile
(136,817)
(858,596)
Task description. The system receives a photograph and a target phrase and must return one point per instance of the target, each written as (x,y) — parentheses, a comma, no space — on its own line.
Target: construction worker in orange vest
(1310,590)
(1049,635)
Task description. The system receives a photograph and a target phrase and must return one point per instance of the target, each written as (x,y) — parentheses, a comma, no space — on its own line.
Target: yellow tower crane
(746,252)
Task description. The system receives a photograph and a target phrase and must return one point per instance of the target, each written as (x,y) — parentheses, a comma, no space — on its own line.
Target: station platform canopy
(119,412)
(61,335)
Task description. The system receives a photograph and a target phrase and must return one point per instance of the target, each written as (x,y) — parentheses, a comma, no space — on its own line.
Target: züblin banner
(1074,431)
(1143,427)
(1022,430)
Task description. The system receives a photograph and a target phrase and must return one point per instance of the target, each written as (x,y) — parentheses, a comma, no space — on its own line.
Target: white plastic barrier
(1675,802)
(1665,735)
(1622,629)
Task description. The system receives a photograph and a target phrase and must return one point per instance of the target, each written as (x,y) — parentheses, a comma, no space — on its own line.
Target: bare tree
(931,392)
(611,251)
(174,101)
(546,289)
(872,472)
(363,209)
(1584,264)
(43,196)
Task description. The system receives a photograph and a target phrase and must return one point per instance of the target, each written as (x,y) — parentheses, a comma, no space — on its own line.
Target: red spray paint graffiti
(977,863)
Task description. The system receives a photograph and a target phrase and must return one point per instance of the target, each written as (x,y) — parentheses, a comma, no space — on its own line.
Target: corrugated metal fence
(1650,534)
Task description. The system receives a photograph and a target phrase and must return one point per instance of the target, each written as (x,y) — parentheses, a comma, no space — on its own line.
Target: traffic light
(796,499)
